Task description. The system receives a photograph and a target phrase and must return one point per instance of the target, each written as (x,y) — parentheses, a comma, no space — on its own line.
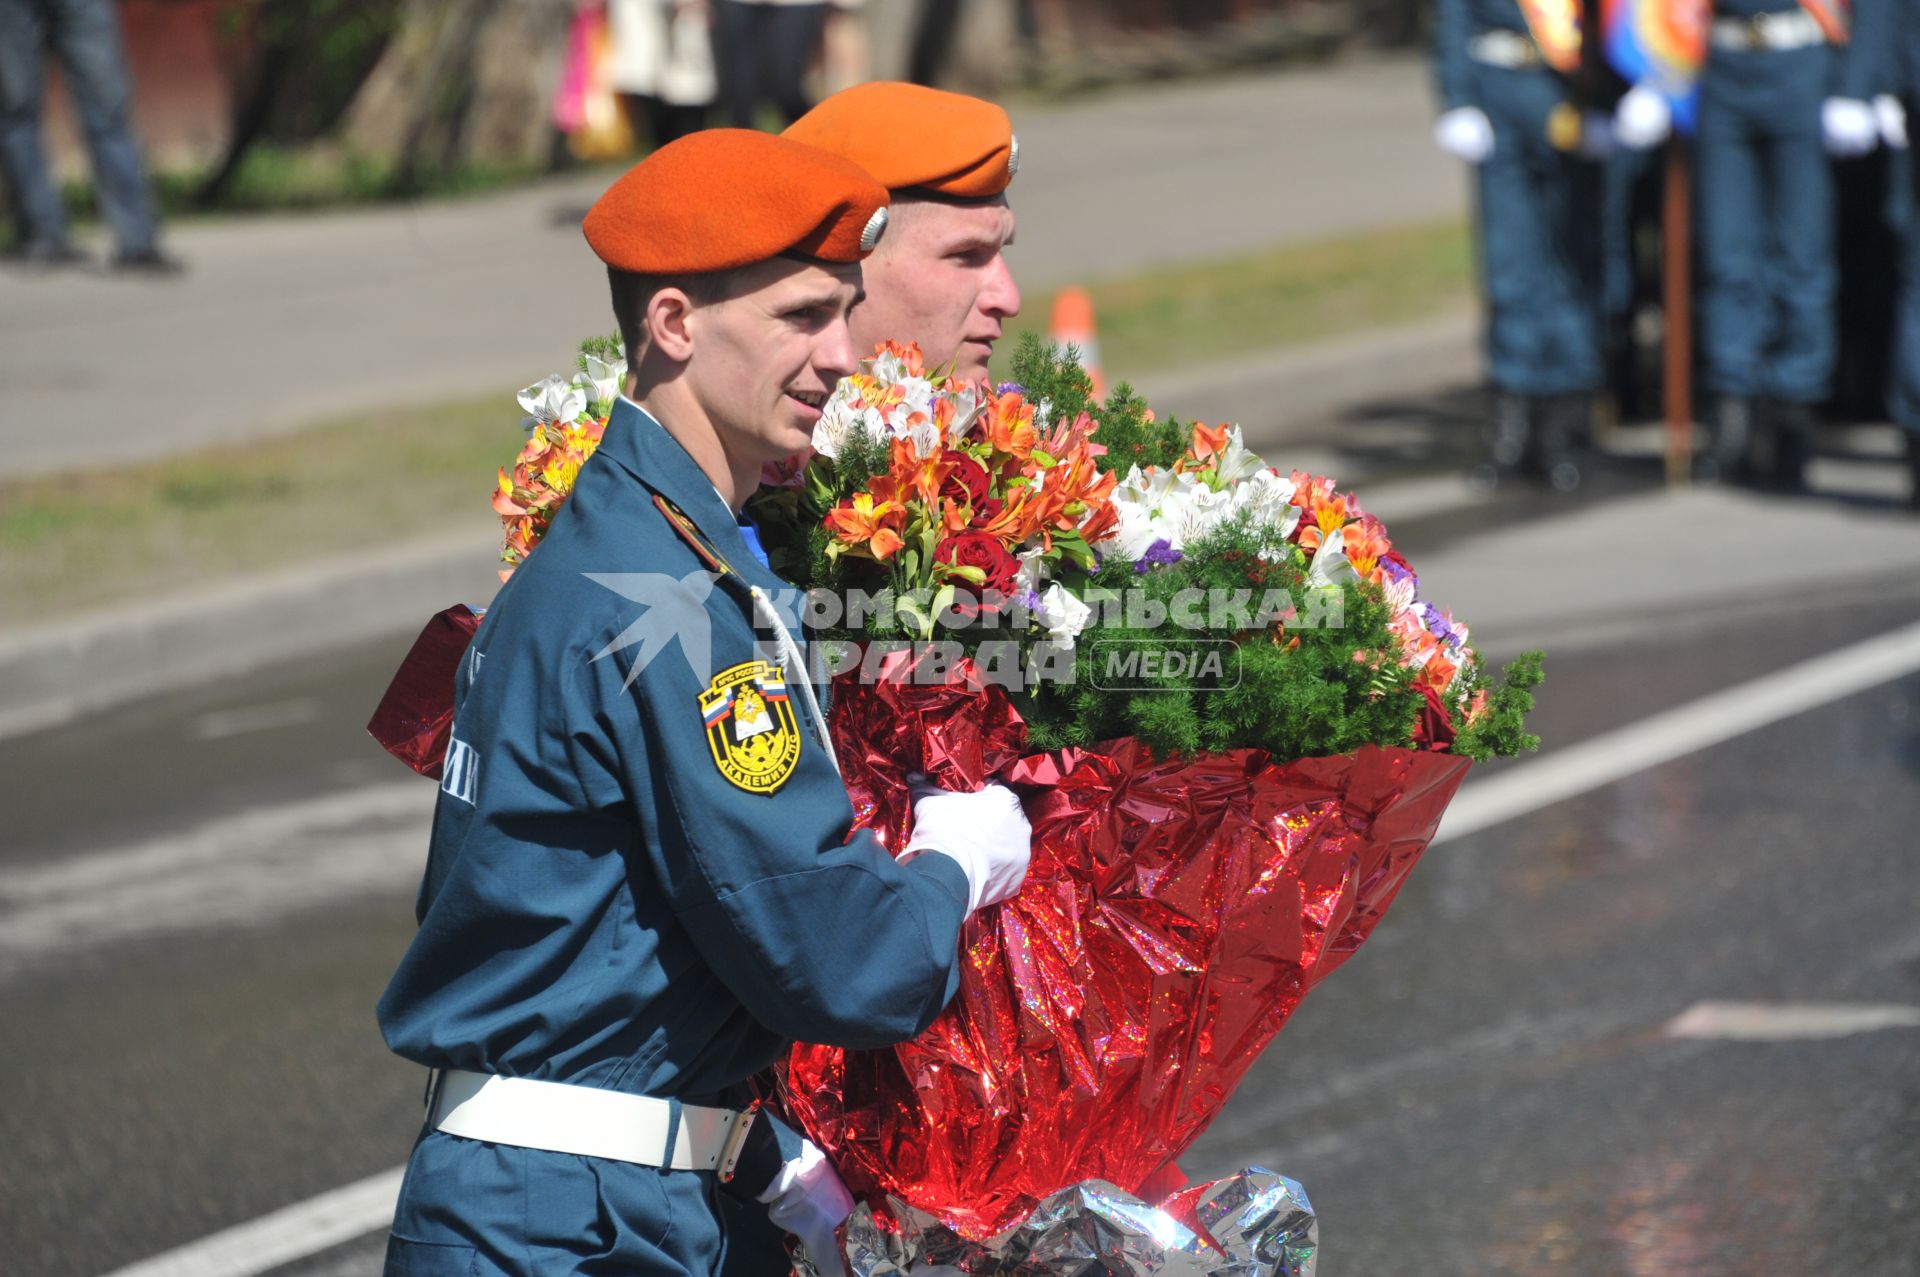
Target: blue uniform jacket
(640,875)
(1454,23)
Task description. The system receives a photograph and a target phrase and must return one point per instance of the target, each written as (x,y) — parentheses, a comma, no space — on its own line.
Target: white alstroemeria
(887,369)
(601,381)
(1267,498)
(1192,510)
(925,437)
(966,407)
(1136,500)
(1399,595)
(1235,463)
(1330,566)
(918,398)
(551,399)
(845,417)
(1063,614)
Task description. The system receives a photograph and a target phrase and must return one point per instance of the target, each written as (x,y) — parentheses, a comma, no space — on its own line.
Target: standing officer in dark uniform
(640,884)
(1517,106)
(1779,94)
(1900,81)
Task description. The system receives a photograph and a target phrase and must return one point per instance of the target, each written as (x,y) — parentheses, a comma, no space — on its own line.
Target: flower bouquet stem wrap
(1174,914)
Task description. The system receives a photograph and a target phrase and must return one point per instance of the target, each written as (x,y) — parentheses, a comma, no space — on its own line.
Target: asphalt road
(201,897)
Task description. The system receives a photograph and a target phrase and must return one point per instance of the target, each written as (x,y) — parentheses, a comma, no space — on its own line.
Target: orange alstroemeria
(1208,441)
(1008,421)
(916,478)
(861,521)
(1366,543)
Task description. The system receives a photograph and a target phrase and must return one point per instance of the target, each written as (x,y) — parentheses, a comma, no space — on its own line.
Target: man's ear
(666,323)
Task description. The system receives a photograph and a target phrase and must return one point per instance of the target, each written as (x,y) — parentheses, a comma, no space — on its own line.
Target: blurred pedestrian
(1516,108)
(662,65)
(84,35)
(1779,98)
(763,49)
(1899,99)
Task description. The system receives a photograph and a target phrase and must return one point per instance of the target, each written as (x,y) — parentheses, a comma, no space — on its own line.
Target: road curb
(56,673)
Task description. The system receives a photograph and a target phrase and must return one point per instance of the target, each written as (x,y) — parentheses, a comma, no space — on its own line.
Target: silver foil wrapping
(1256,1224)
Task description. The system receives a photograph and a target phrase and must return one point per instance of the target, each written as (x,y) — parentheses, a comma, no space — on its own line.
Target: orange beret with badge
(912,137)
(723,198)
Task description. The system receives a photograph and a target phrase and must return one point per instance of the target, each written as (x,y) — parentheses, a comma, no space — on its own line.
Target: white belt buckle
(736,1142)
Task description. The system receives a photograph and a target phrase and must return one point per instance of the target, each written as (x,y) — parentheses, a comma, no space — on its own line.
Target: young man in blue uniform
(640,884)
(1517,106)
(1779,95)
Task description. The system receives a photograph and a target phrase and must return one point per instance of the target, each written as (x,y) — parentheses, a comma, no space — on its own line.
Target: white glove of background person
(1643,120)
(1849,126)
(808,1200)
(987,832)
(1465,133)
(1892,117)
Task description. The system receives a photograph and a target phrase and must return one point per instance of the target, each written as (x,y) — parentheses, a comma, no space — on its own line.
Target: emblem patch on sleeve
(750,726)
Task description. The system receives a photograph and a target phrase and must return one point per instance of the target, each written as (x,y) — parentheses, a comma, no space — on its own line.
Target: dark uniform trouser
(1539,242)
(1769,278)
(1903,391)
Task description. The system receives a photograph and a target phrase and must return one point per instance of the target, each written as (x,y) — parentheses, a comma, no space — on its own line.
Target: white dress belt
(1793,29)
(1506,49)
(559,1117)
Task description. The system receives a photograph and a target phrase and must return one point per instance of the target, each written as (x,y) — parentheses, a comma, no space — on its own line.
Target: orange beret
(722,198)
(908,135)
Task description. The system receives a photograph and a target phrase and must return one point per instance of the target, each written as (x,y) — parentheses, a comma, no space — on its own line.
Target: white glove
(1850,127)
(986,832)
(1893,121)
(808,1200)
(1643,120)
(1465,133)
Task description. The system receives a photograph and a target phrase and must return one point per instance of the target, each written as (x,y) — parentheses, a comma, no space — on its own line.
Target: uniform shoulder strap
(677,519)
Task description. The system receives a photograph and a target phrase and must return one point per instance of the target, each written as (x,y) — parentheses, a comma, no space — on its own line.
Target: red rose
(967,482)
(972,549)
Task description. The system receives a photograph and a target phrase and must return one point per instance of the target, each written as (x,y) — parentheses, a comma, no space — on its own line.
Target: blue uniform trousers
(85,36)
(1538,243)
(1767,269)
(470,1209)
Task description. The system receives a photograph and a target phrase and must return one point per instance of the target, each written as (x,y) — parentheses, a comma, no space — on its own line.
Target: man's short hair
(632,291)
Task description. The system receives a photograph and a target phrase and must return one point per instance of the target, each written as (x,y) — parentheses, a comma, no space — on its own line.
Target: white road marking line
(1686,729)
(1787,1021)
(222,723)
(284,1236)
(309,1227)
(243,868)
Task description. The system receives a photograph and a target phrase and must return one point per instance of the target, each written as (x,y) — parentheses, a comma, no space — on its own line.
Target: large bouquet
(1236,724)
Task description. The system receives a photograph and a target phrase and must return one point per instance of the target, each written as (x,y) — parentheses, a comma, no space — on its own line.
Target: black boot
(1561,440)
(1509,436)
(1783,444)
(1729,441)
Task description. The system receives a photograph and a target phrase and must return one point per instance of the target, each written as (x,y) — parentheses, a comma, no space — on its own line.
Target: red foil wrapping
(1174,914)
(415,718)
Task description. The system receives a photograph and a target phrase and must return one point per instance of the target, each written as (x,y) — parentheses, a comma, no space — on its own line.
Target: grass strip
(146,529)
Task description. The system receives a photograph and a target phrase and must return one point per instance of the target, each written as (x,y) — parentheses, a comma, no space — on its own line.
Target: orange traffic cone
(1073,326)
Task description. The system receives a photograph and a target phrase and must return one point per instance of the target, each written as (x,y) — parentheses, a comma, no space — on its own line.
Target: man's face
(939,278)
(766,359)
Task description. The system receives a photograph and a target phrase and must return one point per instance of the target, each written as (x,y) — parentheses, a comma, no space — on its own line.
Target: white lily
(602,380)
(1235,463)
(551,399)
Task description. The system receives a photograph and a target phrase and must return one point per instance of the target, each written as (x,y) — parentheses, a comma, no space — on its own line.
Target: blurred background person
(1779,96)
(1517,106)
(84,35)
(662,66)
(763,49)
(1900,98)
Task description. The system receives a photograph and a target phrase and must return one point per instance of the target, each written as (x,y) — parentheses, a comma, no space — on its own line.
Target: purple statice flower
(1397,573)
(1438,627)
(1159,554)
(1010,388)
